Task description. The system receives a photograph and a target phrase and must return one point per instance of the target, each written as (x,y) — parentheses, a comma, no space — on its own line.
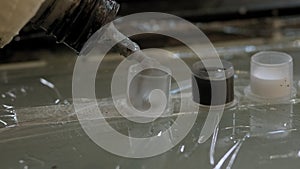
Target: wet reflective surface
(39,128)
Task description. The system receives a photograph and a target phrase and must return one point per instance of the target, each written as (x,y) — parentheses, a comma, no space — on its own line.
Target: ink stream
(126,47)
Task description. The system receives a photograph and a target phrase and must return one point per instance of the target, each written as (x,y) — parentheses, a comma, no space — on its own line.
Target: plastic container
(213,85)
(271,77)
(141,83)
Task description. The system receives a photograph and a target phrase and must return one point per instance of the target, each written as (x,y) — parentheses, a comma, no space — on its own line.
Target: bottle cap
(213,85)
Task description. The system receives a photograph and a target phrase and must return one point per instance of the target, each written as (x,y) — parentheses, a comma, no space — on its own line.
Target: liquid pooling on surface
(39,128)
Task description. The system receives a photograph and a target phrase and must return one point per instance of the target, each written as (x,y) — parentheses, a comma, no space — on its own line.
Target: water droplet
(159,134)
(23,90)
(57,101)
(182,148)
(12,95)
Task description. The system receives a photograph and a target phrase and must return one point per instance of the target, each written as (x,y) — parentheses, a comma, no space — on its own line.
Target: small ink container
(213,82)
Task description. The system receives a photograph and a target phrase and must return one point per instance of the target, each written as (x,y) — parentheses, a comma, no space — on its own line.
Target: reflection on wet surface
(39,128)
